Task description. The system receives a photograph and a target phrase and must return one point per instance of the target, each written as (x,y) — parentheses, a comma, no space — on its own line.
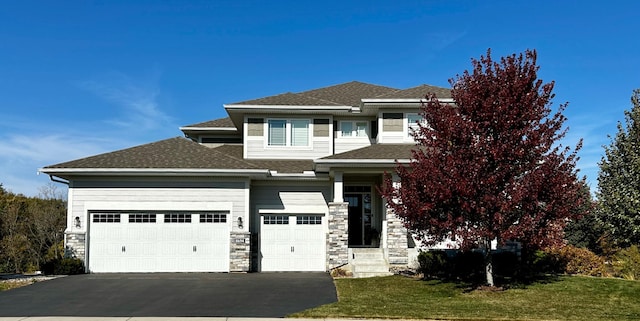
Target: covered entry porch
(363,233)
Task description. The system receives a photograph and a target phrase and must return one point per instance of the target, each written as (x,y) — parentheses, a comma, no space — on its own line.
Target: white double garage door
(200,242)
(159,242)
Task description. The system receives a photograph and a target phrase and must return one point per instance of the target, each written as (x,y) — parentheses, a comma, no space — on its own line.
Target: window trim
(308,219)
(288,133)
(354,129)
(408,126)
(275,219)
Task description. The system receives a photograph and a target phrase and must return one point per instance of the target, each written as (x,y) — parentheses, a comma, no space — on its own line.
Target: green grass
(563,298)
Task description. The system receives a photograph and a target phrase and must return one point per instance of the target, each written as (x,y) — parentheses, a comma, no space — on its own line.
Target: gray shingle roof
(174,153)
(347,94)
(219,123)
(377,151)
(417,92)
(180,153)
(289,99)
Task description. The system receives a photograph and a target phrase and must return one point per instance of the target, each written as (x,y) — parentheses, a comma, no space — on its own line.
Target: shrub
(626,263)
(505,263)
(469,266)
(64,266)
(340,273)
(433,264)
(571,260)
(453,265)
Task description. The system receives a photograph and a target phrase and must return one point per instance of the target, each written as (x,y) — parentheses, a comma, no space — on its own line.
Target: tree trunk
(488,263)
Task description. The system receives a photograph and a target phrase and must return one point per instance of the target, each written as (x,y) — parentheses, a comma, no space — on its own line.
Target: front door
(360,217)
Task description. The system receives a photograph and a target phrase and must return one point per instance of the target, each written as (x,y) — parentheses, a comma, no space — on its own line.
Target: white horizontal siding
(257,149)
(267,194)
(346,144)
(145,195)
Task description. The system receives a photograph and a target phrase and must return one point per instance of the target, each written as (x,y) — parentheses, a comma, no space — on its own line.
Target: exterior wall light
(240,225)
(76,221)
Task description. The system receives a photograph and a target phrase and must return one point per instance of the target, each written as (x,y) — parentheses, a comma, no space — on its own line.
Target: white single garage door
(159,242)
(292,243)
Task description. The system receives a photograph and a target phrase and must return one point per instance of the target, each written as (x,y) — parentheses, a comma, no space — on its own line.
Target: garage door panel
(296,243)
(144,242)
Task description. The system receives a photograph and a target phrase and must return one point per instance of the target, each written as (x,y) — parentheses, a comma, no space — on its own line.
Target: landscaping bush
(64,266)
(469,266)
(571,260)
(433,264)
(506,264)
(626,263)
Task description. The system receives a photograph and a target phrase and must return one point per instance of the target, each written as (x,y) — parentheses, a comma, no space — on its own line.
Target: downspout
(53,179)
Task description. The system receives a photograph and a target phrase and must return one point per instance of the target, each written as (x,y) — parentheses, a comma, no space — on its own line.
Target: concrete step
(368,256)
(369,262)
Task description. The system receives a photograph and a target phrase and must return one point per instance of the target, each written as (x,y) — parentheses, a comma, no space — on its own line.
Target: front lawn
(562,298)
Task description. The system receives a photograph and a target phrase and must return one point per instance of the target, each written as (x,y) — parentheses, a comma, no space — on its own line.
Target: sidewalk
(171,319)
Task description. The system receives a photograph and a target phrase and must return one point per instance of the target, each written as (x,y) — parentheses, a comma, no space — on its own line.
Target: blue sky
(78,78)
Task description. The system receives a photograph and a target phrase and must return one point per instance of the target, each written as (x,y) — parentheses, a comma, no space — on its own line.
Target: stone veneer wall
(240,255)
(75,245)
(338,237)
(396,240)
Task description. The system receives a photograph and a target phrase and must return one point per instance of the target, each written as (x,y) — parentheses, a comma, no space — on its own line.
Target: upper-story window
(412,123)
(288,132)
(353,128)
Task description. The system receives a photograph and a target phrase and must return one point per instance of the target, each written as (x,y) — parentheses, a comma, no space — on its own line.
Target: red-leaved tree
(488,167)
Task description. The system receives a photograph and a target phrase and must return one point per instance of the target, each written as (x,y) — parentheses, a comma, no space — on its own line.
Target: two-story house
(284,183)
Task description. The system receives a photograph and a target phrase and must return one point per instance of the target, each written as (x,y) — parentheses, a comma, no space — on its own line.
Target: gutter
(59,172)
(57,180)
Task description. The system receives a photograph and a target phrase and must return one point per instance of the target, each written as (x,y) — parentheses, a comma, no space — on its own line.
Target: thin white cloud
(22,154)
(137,99)
(38,143)
(442,40)
(594,135)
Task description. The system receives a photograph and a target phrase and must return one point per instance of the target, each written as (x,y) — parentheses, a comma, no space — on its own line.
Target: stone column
(338,237)
(240,255)
(75,245)
(396,240)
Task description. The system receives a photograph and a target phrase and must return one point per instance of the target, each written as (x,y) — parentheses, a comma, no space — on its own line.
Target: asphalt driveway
(171,295)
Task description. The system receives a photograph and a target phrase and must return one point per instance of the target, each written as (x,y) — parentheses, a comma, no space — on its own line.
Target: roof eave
(379,101)
(235,107)
(71,172)
(208,129)
(325,165)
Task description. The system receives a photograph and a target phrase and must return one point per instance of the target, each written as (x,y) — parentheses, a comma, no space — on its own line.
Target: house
(284,183)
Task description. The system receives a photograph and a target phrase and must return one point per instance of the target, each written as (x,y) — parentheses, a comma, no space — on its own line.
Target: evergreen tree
(619,180)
